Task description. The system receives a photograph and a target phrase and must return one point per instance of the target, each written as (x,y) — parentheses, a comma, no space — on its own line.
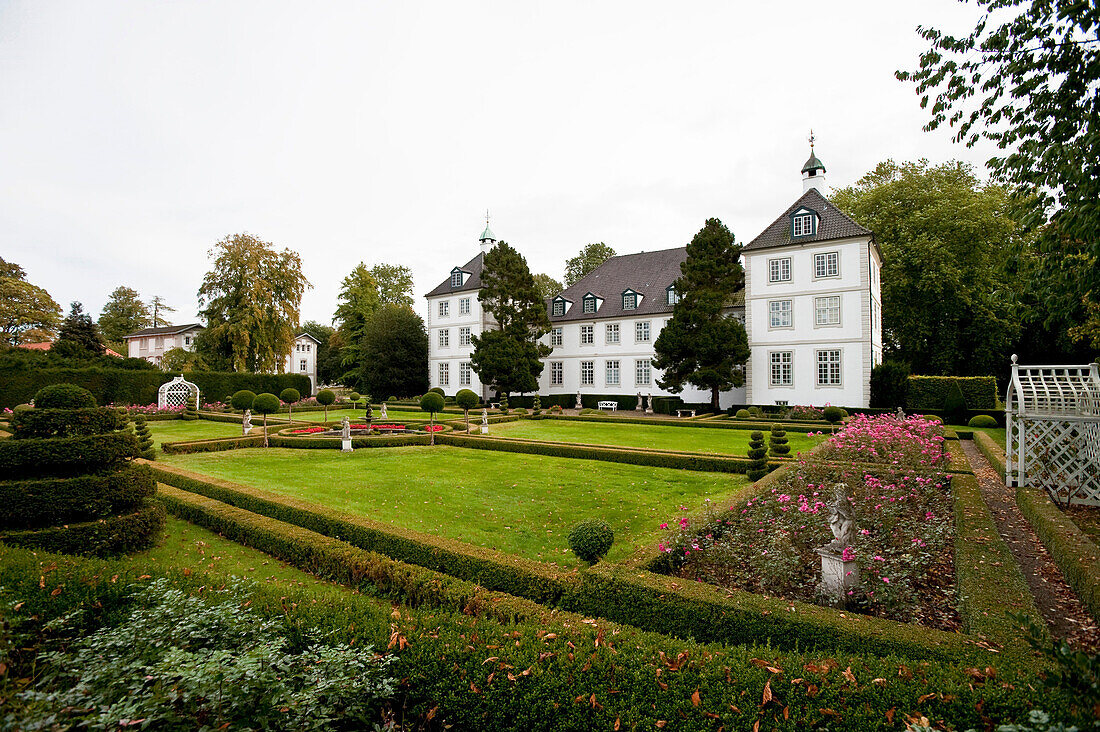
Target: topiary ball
(325,397)
(432,402)
(266,403)
(591,540)
(63,396)
(290,396)
(355,397)
(743,414)
(834,414)
(242,399)
(436,390)
(982,420)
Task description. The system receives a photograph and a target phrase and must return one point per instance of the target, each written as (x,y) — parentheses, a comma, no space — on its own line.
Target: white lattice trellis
(177,393)
(1053,435)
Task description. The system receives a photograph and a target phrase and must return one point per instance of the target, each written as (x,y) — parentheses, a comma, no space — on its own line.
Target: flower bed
(903,512)
(806,412)
(150,410)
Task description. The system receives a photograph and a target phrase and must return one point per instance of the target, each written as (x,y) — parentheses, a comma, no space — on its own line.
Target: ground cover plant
(904,513)
(652,437)
(202,429)
(521,504)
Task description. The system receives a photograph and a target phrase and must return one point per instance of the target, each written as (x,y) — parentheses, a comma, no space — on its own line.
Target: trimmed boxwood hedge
(992,451)
(28,504)
(725,424)
(66,455)
(217,445)
(931,392)
(66,422)
(113,535)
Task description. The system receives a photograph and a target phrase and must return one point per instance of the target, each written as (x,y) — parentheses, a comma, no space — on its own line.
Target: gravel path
(1064,613)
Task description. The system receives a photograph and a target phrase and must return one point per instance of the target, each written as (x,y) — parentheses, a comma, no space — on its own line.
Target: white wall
(303,360)
(454,354)
(151,348)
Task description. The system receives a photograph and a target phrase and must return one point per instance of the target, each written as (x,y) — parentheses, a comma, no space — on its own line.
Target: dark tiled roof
(473,282)
(647,273)
(165,330)
(833,224)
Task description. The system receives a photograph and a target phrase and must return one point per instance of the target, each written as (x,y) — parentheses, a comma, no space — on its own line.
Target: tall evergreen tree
(395,355)
(159,308)
(510,357)
(123,314)
(78,330)
(700,345)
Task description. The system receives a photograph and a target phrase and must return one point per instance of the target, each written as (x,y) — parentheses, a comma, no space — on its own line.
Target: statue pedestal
(345,444)
(484,429)
(837,575)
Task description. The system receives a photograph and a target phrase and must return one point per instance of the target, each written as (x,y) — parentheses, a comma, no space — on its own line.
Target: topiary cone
(777,442)
(758,457)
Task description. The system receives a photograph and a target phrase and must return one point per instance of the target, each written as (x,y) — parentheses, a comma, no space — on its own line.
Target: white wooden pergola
(179,392)
(1053,435)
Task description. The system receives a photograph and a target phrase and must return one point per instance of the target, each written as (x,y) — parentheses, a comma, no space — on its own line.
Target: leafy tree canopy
(547,286)
(180,360)
(123,314)
(251,299)
(394,353)
(159,308)
(592,256)
(701,345)
(395,284)
(328,352)
(27,312)
(79,331)
(359,300)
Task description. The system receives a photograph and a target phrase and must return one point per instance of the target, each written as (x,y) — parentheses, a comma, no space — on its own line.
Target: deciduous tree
(395,284)
(27,312)
(123,314)
(159,308)
(547,286)
(359,300)
(592,256)
(394,354)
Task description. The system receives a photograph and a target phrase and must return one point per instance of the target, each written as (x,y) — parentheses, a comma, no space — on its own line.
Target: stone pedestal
(837,575)
(484,429)
(345,444)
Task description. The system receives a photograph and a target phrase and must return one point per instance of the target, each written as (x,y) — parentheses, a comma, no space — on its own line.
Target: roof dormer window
(558,308)
(630,300)
(590,303)
(803,223)
(456,277)
(672,296)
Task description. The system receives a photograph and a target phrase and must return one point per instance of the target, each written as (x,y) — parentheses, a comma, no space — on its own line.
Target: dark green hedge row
(993,452)
(930,392)
(109,536)
(218,445)
(335,443)
(1076,554)
(468,671)
(28,504)
(721,424)
(66,422)
(990,583)
(65,455)
(125,386)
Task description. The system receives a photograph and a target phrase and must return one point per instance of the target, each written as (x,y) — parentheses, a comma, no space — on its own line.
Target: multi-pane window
(464,306)
(641,331)
(555,336)
(559,307)
(828,367)
(779,270)
(802,225)
(782,366)
(589,304)
(444,337)
(555,373)
(444,308)
(456,279)
(302,365)
(612,373)
(308,347)
(187,340)
(612,333)
(464,337)
(444,374)
(588,336)
(464,373)
(588,373)
(827,264)
(673,296)
(630,301)
(779,314)
(642,372)
(827,310)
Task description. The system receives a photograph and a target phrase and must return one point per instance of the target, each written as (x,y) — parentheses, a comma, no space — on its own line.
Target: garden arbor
(1053,435)
(178,392)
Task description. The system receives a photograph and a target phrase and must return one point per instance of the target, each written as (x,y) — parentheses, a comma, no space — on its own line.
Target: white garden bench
(680,412)
(612,405)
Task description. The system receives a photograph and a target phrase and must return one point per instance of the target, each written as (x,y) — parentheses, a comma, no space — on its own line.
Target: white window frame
(302,365)
(632,298)
(825,313)
(464,306)
(456,279)
(774,311)
(465,336)
(611,333)
(779,269)
(444,374)
(824,357)
(465,371)
(588,335)
(643,372)
(781,365)
(802,224)
(557,373)
(612,374)
(672,297)
(444,308)
(822,262)
(642,331)
(444,337)
(588,373)
(556,338)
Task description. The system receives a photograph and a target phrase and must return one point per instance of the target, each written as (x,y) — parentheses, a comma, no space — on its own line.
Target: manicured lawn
(997,433)
(522,504)
(335,415)
(177,430)
(656,437)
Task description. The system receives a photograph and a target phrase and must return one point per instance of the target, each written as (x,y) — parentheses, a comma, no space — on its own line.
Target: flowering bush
(433,428)
(806,412)
(149,409)
(218,406)
(308,431)
(914,442)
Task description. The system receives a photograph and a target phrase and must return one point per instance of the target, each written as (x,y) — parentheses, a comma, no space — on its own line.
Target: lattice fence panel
(177,393)
(1061,457)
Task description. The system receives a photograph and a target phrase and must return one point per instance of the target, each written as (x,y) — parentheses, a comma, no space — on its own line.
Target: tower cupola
(813,172)
(488,239)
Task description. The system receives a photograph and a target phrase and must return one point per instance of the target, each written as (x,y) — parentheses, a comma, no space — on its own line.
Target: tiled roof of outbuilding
(833,224)
(165,330)
(473,282)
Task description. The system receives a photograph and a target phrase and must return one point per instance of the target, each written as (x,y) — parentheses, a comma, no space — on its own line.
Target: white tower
(488,239)
(813,172)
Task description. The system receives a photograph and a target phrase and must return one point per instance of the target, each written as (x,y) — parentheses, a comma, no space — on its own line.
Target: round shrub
(266,403)
(21,408)
(519,410)
(466,398)
(63,396)
(326,397)
(932,418)
(392,399)
(432,402)
(743,414)
(243,399)
(355,397)
(436,390)
(982,420)
(591,540)
(756,411)
(290,396)
(834,414)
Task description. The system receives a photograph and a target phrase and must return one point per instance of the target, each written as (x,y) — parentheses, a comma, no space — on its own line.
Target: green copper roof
(813,164)
(487,234)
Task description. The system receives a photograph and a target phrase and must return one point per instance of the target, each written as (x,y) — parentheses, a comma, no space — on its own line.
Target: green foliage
(39,502)
(591,540)
(931,392)
(123,314)
(833,415)
(756,412)
(395,284)
(700,345)
(144,437)
(243,399)
(743,414)
(78,332)
(359,300)
(588,259)
(118,534)
(66,455)
(510,358)
(954,405)
(393,354)
(777,442)
(265,404)
(159,308)
(437,390)
(758,457)
(27,312)
(179,359)
(432,402)
(504,403)
(329,368)
(354,398)
(290,396)
(63,396)
(467,399)
(547,286)
(325,397)
(66,422)
(250,300)
(536,408)
(982,420)
(889,385)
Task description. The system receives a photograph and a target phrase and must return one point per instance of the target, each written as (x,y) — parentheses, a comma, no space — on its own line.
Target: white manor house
(811,306)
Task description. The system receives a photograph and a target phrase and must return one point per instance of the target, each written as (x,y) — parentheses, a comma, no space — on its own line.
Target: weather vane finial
(811,139)
(486,217)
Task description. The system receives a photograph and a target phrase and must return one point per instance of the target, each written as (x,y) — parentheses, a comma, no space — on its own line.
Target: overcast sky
(135,135)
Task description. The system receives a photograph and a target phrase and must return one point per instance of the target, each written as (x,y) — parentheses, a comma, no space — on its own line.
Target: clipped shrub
(467,399)
(144,437)
(833,415)
(30,423)
(933,418)
(191,410)
(519,410)
(432,402)
(326,398)
(756,411)
(289,396)
(954,406)
(930,392)
(242,399)
(591,540)
(504,404)
(777,442)
(536,408)
(588,411)
(889,385)
(63,396)
(437,390)
(354,398)
(982,420)
(555,409)
(392,399)
(743,414)
(43,502)
(266,404)
(758,457)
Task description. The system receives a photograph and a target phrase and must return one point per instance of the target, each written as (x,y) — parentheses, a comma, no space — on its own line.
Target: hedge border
(43,423)
(38,503)
(930,392)
(54,455)
(988,447)
(103,537)
(726,424)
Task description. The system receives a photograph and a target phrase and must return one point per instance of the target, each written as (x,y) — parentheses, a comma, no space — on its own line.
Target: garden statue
(484,421)
(384,415)
(246,423)
(369,415)
(638,406)
(345,435)
(579,404)
(839,570)
(901,414)
(842,520)
(649,404)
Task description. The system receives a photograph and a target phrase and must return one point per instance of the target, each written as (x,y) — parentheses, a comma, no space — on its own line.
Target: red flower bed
(390,426)
(307,431)
(433,428)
